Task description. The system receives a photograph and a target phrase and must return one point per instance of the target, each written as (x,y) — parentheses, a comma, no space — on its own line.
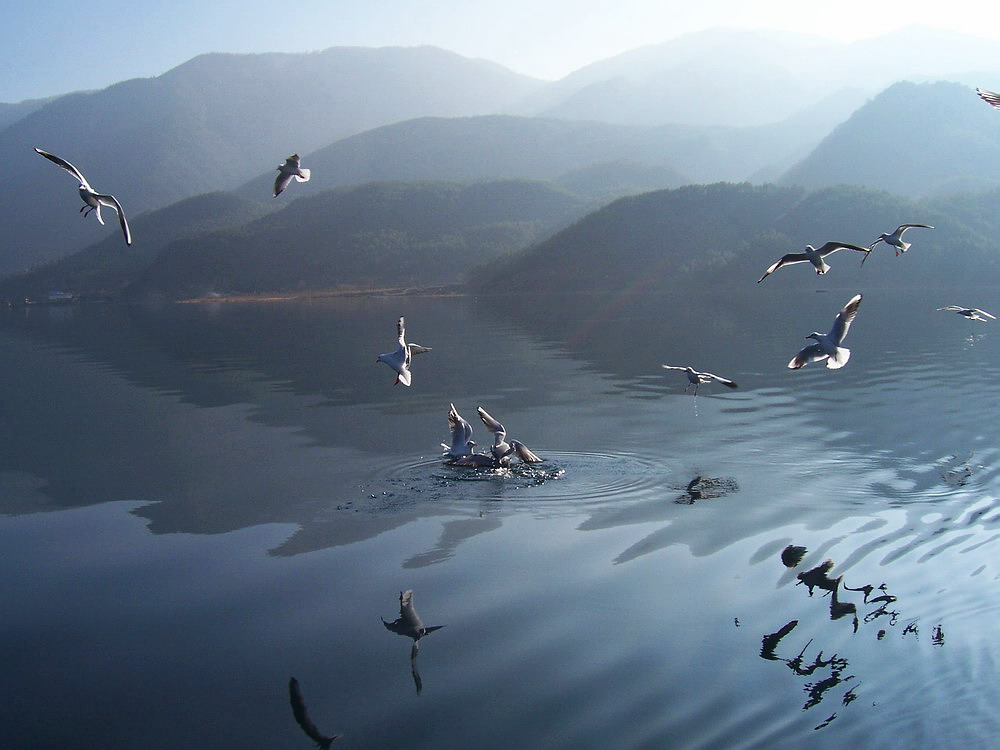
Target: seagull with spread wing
(972,313)
(399,360)
(696,378)
(287,171)
(812,255)
(895,239)
(501,449)
(91,197)
(827,345)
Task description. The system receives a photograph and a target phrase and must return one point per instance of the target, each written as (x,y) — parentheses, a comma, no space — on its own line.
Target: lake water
(200,501)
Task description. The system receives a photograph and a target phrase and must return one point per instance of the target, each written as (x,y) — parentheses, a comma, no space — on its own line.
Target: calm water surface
(200,501)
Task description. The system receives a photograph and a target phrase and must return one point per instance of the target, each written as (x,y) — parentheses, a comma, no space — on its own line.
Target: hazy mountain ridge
(108,266)
(726,234)
(740,77)
(911,139)
(373,235)
(215,122)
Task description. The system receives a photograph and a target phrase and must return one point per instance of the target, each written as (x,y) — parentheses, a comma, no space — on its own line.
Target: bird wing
(281,182)
(303,175)
(903,227)
(672,367)
(785,260)
(499,433)
(832,247)
(112,202)
(524,453)
(811,353)
(724,381)
(954,308)
(417,349)
(67,166)
(302,716)
(461,430)
(842,322)
(983,312)
(991,98)
(401,331)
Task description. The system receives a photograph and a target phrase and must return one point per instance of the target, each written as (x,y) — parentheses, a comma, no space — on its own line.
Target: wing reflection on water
(832,670)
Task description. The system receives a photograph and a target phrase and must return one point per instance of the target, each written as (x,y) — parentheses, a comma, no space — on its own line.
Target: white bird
(812,255)
(989,97)
(91,197)
(287,171)
(696,378)
(827,345)
(972,313)
(399,360)
(896,239)
(461,436)
(501,449)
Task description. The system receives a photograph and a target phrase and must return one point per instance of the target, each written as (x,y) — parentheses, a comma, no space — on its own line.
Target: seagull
(91,197)
(287,171)
(696,378)
(399,360)
(812,255)
(827,345)
(409,623)
(895,239)
(989,97)
(302,717)
(461,436)
(972,313)
(501,448)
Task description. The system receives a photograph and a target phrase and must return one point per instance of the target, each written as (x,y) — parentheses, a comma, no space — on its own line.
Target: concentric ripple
(563,477)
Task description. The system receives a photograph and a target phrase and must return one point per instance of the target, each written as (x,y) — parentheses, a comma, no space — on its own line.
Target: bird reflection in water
(302,717)
(877,605)
(409,624)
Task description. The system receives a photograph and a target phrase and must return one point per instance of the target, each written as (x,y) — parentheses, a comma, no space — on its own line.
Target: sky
(56,46)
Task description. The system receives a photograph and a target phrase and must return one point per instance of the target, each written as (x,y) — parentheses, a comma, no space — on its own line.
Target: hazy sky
(55,46)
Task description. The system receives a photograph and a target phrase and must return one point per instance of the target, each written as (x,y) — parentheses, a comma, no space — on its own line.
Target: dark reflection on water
(201,500)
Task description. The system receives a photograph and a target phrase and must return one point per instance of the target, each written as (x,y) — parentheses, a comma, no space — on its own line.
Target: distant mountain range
(912,139)
(215,122)
(725,234)
(519,236)
(718,105)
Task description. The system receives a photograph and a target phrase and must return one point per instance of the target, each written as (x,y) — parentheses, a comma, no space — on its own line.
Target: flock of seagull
(826,346)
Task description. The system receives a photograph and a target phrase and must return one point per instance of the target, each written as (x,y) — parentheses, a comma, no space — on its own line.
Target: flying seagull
(501,448)
(91,197)
(989,97)
(972,313)
(895,239)
(827,345)
(399,360)
(287,171)
(696,378)
(461,436)
(302,717)
(812,255)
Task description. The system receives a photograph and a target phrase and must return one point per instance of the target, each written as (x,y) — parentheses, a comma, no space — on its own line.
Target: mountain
(712,236)
(11,113)
(490,146)
(912,139)
(373,235)
(741,77)
(108,266)
(215,122)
